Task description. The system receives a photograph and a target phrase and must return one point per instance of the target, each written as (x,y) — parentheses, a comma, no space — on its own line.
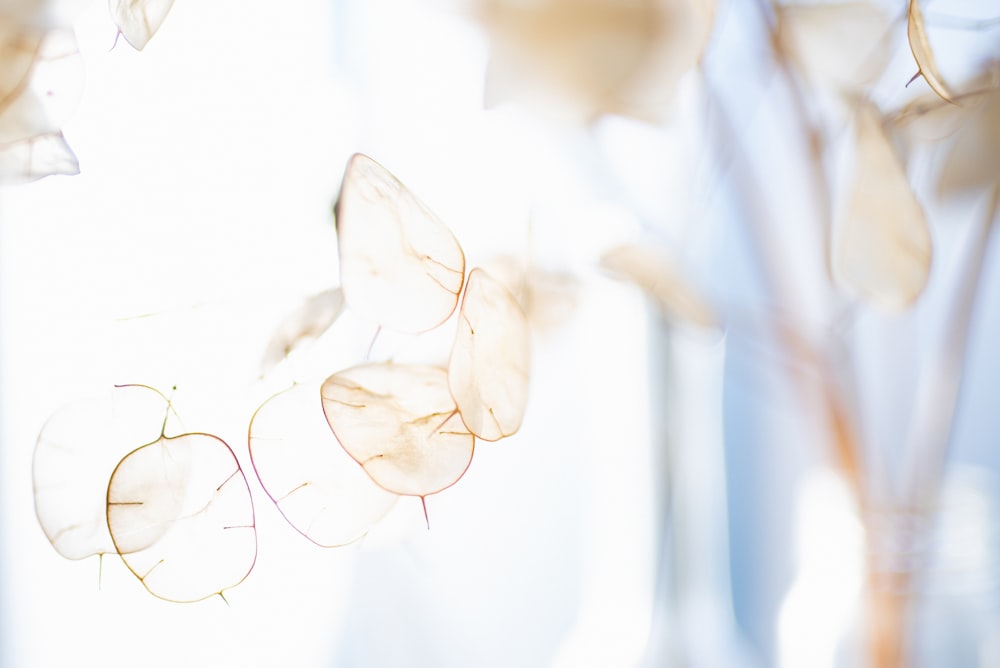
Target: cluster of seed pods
(177,509)
(333,455)
(41,74)
(405,429)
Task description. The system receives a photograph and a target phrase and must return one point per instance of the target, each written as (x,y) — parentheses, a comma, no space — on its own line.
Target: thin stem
(371,346)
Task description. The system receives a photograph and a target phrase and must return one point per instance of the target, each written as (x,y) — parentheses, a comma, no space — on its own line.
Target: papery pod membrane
(319,490)
(76,451)
(490,363)
(400,266)
(31,144)
(180,515)
(659,277)
(19,48)
(882,244)
(548,298)
(310,320)
(45,154)
(138,20)
(597,56)
(844,45)
(972,160)
(401,424)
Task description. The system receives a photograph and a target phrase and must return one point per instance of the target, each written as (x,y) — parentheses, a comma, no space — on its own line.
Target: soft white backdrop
(209,163)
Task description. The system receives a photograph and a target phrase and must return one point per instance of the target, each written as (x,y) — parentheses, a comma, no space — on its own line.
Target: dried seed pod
(399,264)
(180,515)
(138,20)
(315,484)
(400,423)
(309,321)
(655,272)
(75,454)
(882,243)
(491,359)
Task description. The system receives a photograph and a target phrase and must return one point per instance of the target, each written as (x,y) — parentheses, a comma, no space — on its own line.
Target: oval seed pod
(399,264)
(843,45)
(75,454)
(882,243)
(39,86)
(20,46)
(400,423)
(310,320)
(315,484)
(657,274)
(138,20)
(180,515)
(491,359)
(972,160)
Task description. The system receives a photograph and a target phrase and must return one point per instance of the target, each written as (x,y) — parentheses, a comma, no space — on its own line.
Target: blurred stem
(935,408)
(890,582)
(888,606)
(813,135)
(845,446)
(770,260)
(889,600)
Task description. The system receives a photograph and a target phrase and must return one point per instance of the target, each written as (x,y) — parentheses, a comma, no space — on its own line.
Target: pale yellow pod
(180,515)
(75,453)
(315,484)
(138,20)
(845,44)
(400,423)
(400,266)
(657,274)
(490,363)
(882,243)
(309,320)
